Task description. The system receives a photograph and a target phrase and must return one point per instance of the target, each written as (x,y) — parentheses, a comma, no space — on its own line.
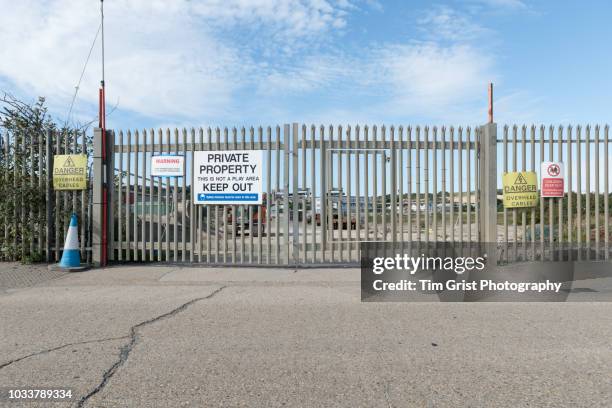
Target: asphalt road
(161,336)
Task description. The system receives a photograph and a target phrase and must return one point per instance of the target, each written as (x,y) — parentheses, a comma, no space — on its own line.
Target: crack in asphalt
(133,336)
(387,397)
(38,353)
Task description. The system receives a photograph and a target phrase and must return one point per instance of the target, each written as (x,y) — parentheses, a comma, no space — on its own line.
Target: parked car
(248,216)
(335,223)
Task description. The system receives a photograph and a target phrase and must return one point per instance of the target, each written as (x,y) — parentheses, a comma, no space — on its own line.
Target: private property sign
(553,181)
(520,189)
(167,165)
(228,177)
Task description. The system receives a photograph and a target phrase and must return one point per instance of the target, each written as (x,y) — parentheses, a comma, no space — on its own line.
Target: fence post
(323,193)
(97,199)
(488,191)
(110,193)
(286,145)
(49,194)
(295,236)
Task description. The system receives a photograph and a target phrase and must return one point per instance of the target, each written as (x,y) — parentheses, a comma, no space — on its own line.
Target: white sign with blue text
(228,177)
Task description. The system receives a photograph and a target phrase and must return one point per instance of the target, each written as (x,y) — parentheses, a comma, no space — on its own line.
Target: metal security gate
(397,185)
(155,218)
(326,190)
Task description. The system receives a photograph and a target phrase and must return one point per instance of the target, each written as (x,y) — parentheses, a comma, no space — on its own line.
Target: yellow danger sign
(520,189)
(70,172)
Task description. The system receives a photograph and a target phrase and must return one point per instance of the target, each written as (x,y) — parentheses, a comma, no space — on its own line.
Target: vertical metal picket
(606,193)
(143,211)
(159,242)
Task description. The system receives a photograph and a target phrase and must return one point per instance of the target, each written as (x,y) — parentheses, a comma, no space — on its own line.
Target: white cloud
(289,17)
(210,61)
(446,23)
(162,58)
(516,106)
(500,7)
(375,5)
(445,76)
(511,4)
(444,82)
(313,73)
(431,79)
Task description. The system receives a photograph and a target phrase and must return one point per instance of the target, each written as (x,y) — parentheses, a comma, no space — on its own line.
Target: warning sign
(520,189)
(553,179)
(228,177)
(70,172)
(167,165)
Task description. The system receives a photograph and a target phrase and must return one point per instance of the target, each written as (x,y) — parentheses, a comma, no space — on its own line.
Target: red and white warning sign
(168,166)
(553,179)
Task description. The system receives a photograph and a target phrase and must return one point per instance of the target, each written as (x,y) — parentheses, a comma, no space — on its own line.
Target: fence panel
(569,228)
(35,217)
(326,190)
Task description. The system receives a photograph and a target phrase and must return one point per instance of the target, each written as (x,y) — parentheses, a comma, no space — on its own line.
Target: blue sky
(268,62)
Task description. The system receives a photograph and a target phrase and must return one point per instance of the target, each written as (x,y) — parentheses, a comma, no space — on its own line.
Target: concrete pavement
(166,336)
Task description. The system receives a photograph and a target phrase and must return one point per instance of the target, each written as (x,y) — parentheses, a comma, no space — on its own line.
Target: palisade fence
(34,218)
(573,227)
(327,189)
